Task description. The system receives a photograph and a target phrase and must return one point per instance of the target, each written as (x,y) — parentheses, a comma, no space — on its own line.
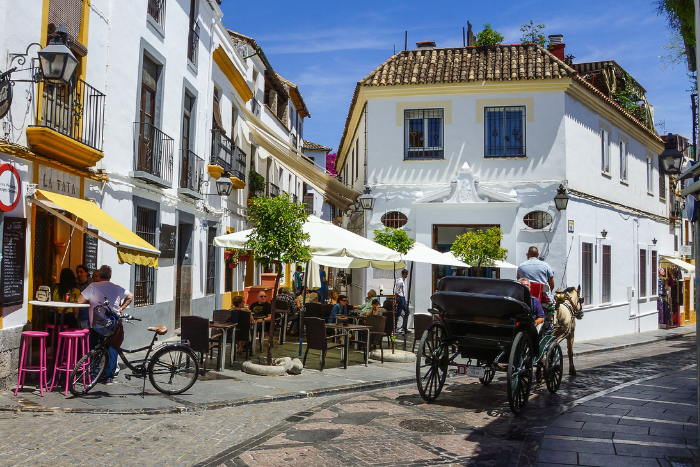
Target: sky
(327,47)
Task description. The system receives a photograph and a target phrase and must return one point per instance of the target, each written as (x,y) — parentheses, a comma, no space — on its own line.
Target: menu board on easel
(13,254)
(90,251)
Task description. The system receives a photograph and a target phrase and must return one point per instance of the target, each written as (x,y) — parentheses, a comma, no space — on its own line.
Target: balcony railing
(191,171)
(193,44)
(255,107)
(78,113)
(154,151)
(238,169)
(272,190)
(156,10)
(676,211)
(309,204)
(221,150)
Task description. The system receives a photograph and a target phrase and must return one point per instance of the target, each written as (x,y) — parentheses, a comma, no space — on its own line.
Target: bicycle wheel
(173,369)
(88,371)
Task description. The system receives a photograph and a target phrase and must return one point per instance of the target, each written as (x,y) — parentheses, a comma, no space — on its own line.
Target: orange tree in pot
(278,238)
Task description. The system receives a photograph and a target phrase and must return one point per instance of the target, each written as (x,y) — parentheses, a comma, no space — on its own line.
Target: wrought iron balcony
(191,173)
(193,44)
(255,107)
(272,190)
(238,169)
(221,150)
(156,10)
(154,154)
(77,113)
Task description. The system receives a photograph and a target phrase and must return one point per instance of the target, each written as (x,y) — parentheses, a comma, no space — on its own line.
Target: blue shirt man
(339,309)
(323,290)
(536,270)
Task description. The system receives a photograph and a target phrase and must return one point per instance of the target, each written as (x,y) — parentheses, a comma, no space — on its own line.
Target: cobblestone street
(468,425)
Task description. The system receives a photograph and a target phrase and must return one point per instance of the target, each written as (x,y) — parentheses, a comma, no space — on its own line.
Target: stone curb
(633,344)
(360,387)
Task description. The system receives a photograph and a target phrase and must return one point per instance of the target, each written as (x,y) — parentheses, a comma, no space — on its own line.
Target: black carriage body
(483,316)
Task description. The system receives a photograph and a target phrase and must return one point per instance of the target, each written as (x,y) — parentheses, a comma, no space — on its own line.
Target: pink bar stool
(24,358)
(66,355)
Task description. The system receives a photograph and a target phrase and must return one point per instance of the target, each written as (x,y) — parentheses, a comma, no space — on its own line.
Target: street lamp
(561,200)
(604,233)
(56,60)
(367,200)
(224,187)
(671,159)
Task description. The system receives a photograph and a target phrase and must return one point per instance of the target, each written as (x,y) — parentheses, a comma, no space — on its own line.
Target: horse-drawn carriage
(489,323)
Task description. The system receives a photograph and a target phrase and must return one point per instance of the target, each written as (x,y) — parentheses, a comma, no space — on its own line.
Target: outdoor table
(62,306)
(347,328)
(224,327)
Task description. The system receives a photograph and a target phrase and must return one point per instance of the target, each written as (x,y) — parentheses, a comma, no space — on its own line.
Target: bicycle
(173,368)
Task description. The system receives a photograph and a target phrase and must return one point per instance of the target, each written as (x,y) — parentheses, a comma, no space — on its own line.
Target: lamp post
(561,200)
(367,200)
(224,187)
(56,61)
(671,159)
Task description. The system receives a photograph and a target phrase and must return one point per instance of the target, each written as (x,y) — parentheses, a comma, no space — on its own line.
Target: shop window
(144,283)
(423,137)
(394,219)
(642,273)
(504,131)
(606,274)
(211,261)
(587,271)
(537,219)
(654,272)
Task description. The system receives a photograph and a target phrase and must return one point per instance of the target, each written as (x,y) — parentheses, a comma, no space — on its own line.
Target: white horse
(568,310)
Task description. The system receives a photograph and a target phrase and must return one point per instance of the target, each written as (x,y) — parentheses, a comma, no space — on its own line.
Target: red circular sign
(10,187)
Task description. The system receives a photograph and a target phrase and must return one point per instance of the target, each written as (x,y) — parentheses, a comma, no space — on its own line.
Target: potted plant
(256,185)
(480,249)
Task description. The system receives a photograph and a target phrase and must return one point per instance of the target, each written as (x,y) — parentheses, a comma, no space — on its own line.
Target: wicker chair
(389,328)
(420,324)
(244,330)
(316,339)
(377,331)
(195,329)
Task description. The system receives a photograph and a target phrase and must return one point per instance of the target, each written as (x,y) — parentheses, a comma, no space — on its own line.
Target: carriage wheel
(489,371)
(554,368)
(519,373)
(432,362)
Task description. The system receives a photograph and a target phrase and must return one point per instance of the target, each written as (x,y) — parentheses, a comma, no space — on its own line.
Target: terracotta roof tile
(309,145)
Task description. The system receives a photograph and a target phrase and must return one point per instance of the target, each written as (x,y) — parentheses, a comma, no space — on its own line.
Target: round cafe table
(62,306)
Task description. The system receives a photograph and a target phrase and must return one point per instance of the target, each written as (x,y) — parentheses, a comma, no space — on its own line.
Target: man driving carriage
(536,270)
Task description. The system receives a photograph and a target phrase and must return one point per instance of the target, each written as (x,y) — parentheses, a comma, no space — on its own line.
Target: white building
(451,140)
(313,200)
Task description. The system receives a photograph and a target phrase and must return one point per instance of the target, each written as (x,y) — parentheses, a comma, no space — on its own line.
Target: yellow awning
(689,268)
(130,247)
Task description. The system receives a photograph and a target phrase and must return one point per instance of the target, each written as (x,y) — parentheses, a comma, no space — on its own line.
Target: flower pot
(60,247)
(244,257)
(227,254)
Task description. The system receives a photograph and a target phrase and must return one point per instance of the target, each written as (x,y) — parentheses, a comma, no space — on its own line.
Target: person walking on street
(119,299)
(401,307)
(323,290)
(298,280)
(536,270)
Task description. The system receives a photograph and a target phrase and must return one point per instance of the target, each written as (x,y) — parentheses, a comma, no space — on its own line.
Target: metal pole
(464,38)
(696,243)
(405,41)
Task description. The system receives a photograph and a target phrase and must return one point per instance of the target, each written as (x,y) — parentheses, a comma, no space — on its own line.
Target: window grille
(211,261)
(504,131)
(662,185)
(394,219)
(144,283)
(654,278)
(156,10)
(642,273)
(587,271)
(606,274)
(537,219)
(309,204)
(423,134)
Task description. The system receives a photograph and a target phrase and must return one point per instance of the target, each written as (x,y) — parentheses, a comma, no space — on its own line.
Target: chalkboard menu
(90,251)
(168,241)
(12,269)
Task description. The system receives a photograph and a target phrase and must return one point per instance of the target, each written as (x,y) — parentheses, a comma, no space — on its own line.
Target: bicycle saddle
(160,330)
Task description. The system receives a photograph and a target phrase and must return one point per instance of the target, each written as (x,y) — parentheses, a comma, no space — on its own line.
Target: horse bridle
(575,310)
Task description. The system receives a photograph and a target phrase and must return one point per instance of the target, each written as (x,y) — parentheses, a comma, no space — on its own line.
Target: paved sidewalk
(233,387)
(648,422)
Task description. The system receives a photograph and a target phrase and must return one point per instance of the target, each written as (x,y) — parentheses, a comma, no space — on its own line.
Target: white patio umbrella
(421,253)
(497,264)
(326,239)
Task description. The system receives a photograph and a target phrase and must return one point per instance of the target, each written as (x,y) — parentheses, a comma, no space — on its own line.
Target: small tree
(396,239)
(532,33)
(488,36)
(480,248)
(277,238)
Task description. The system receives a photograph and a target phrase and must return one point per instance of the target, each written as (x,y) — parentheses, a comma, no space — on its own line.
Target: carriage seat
(486,286)
(470,306)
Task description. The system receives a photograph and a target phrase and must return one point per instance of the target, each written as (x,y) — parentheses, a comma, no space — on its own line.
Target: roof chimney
(556,46)
(425,45)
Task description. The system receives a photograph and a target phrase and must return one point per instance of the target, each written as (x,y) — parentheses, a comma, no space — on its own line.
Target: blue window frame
(504,131)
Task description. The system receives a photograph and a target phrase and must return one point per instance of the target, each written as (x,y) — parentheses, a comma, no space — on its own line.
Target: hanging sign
(12,265)
(58,181)
(10,187)
(168,241)
(5,97)
(571,226)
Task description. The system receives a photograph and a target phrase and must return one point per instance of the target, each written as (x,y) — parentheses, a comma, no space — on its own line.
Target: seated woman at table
(334,298)
(375,308)
(66,291)
(237,304)
(340,309)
